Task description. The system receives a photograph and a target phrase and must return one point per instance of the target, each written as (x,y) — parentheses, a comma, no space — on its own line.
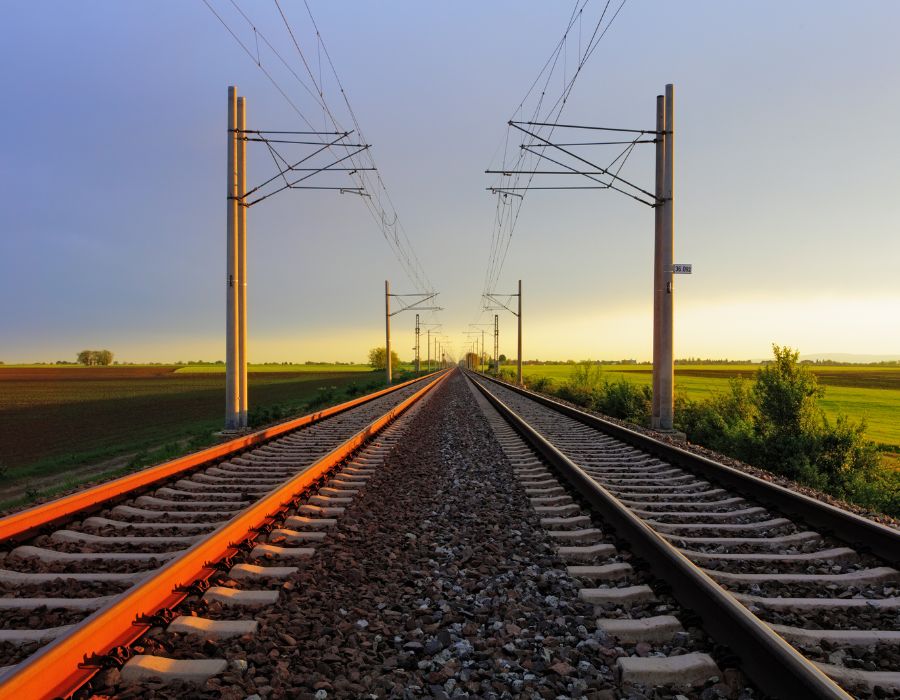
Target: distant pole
(481,357)
(242,259)
(667,357)
(497,344)
(232,388)
(429,350)
(658,277)
(418,364)
(387,330)
(519,375)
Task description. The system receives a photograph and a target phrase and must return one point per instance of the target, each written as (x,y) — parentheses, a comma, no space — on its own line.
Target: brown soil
(63,374)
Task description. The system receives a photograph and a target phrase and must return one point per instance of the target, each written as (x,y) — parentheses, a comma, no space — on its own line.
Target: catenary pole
(232,402)
(387,330)
(667,359)
(519,318)
(242,260)
(658,277)
(418,363)
(481,356)
(497,344)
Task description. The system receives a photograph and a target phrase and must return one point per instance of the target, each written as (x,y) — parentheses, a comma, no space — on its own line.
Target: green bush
(625,400)
(723,422)
(844,458)
(774,422)
(621,399)
(583,385)
(787,420)
(777,424)
(542,384)
(586,378)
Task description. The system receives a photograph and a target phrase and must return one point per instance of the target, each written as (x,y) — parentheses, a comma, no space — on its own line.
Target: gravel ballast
(438,581)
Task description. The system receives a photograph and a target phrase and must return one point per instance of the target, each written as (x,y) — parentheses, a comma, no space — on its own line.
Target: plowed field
(80,413)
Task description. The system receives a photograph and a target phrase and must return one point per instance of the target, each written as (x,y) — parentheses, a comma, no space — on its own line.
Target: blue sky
(114,156)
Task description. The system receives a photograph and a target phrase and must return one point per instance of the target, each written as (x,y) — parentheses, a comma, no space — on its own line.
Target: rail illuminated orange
(22,523)
(54,670)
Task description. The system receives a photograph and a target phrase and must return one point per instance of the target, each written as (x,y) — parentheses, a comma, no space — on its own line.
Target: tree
(91,358)
(376,359)
(502,359)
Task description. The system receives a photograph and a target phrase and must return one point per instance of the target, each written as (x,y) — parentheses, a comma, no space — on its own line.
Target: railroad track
(804,593)
(85,576)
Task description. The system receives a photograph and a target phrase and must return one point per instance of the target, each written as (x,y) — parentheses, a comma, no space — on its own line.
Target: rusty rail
(57,669)
(27,522)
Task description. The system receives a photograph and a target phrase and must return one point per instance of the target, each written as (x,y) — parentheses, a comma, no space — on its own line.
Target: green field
(57,420)
(858,391)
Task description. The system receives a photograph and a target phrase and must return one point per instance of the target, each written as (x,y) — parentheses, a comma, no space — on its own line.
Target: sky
(114,152)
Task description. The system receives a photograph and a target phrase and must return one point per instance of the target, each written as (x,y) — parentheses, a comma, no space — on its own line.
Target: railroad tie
(211,629)
(144,667)
(241,572)
(681,671)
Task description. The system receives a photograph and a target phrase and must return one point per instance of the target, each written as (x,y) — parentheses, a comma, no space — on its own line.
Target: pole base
(672,434)
(232,432)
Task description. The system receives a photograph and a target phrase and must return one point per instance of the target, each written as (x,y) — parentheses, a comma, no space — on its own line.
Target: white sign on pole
(681,269)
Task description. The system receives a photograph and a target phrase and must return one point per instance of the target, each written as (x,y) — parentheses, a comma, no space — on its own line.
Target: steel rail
(57,669)
(27,523)
(862,534)
(773,664)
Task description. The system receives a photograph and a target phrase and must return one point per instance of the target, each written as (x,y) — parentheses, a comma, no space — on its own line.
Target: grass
(18,494)
(866,392)
(54,421)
